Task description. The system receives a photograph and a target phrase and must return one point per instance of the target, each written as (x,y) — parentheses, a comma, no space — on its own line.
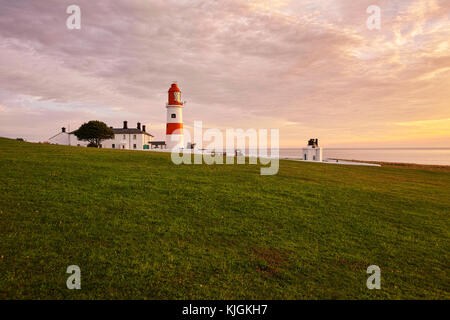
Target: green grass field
(141,227)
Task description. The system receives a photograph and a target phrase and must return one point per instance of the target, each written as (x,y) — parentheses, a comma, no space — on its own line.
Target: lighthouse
(174,127)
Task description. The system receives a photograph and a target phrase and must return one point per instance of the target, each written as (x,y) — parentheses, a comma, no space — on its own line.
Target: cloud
(309,67)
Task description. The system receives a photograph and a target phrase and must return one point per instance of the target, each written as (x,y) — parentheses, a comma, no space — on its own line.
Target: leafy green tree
(95,132)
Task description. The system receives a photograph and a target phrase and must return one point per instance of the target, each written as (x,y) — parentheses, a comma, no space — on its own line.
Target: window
(134,146)
(123,147)
(314,158)
(134,137)
(173,115)
(113,146)
(305,156)
(124,137)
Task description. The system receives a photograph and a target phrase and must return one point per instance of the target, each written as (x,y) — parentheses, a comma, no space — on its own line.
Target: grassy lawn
(141,227)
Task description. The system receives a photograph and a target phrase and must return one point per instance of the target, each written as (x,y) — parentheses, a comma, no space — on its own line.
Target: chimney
(139,126)
(63,129)
(125,124)
(143,128)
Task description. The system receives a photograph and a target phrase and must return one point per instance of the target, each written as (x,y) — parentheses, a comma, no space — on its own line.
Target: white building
(63,138)
(129,138)
(124,138)
(312,152)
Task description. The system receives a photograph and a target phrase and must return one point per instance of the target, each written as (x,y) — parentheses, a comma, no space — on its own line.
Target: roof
(57,135)
(174,88)
(126,131)
(130,131)
(157,142)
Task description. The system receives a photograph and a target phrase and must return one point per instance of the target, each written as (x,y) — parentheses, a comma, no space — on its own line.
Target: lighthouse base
(175,142)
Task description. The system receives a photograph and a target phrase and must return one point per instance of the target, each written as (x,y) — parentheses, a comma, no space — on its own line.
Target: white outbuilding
(67,139)
(312,152)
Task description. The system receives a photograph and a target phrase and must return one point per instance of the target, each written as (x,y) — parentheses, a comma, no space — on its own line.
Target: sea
(431,156)
(427,156)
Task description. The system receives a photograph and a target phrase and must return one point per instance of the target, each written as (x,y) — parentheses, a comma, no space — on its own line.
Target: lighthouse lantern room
(174,127)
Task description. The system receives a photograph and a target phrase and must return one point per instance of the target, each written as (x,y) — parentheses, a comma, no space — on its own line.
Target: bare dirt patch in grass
(270,260)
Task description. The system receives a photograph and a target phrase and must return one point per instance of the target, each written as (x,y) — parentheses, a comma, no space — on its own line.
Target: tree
(94,131)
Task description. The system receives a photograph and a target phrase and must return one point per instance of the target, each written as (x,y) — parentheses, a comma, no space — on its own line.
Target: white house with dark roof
(124,138)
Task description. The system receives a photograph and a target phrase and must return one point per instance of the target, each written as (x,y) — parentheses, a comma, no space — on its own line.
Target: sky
(310,68)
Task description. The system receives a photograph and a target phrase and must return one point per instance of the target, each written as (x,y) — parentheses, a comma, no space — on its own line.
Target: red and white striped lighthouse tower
(174,128)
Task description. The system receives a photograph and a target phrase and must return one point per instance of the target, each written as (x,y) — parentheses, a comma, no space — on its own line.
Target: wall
(127,143)
(312,154)
(60,138)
